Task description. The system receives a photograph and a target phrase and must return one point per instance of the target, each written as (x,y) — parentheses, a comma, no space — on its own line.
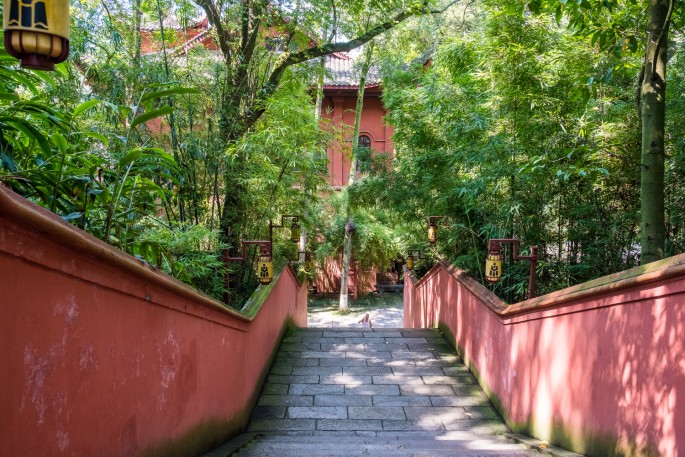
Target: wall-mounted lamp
(433,228)
(265,266)
(295,229)
(493,262)
(295,232)
(265,269)
(37,32)
(411,257)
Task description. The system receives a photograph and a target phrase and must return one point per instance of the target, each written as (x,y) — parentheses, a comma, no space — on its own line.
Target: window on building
(363,154)
(364,141)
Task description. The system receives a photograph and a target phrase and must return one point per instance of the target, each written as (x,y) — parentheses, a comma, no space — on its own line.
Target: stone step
(433,440)
(462,444)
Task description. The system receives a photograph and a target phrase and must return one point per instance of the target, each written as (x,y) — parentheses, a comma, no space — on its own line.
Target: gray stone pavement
(389,392)
(385,310)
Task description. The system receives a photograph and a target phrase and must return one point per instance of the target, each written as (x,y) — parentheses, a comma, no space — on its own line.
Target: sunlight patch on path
(385,311)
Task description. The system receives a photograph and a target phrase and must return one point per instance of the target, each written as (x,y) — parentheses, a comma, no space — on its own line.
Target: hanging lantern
(37,32)
(493,267)
(410,262)
(265,269)
(295,232)
(432,233)
(308,264)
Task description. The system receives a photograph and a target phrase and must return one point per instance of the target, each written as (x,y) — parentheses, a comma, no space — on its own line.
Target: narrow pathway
(385,310)
(388,392)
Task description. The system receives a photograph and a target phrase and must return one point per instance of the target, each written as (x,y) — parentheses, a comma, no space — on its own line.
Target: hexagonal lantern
(37,32)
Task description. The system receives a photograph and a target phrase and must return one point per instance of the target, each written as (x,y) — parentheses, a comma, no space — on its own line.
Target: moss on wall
(209,434)
(200,438)
(447,333)
(583,442)
(259,296)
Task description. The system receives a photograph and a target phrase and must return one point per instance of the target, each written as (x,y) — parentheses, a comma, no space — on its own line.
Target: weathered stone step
(464,444)
(367,450)
(435,441)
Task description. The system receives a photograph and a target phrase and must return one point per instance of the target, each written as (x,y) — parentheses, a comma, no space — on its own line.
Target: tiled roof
(343,71)
(173,22)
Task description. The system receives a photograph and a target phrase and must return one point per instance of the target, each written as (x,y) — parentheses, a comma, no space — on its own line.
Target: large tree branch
(250,40)
(313,52)
(214,17)
(663,34)
(244,25)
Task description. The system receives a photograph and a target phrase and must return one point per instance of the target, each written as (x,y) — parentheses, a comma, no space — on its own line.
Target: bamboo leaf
(9,97)
(167,92)
(72,216)
(20,78)
(98,136)
(46,77)
(85,106)
(130,157)
(30,131)
(59,141)
(151,115)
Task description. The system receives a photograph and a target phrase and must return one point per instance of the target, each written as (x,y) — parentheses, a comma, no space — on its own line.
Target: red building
(340,99)
(341,86)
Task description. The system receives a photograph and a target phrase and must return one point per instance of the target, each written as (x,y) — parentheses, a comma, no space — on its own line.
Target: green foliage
(104,177)
(101,181)
(520,127)
(188,252)
(510,121)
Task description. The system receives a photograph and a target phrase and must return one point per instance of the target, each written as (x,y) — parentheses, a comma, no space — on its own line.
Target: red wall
(598,368)
(101,356)
(327,280)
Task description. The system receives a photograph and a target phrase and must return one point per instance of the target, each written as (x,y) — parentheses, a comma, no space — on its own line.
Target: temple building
(340,89)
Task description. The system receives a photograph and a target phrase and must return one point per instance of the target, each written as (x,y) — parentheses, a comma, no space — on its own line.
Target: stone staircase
(380,392)
(388,282)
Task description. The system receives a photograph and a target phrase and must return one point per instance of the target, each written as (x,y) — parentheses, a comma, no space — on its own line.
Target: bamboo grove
(532,120)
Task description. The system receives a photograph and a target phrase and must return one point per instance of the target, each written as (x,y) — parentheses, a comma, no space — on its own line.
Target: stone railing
(598,368)
(102,356)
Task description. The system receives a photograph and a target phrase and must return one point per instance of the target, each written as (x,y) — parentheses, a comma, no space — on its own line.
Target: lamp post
(493,262)
(265,268)
(37,32)
(307,256)
(307,259)
(433,228)
(294,227)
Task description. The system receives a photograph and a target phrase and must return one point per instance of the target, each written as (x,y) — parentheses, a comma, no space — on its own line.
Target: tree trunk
(138,37)
(347,250)
(652,112)
(317,118)
(345,273)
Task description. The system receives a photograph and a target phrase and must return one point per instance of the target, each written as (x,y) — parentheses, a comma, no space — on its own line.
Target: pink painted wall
(339,106)
(598,368)
(101,356)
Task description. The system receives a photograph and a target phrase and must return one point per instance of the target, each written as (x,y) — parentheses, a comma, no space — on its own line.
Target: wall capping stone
(655,272)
